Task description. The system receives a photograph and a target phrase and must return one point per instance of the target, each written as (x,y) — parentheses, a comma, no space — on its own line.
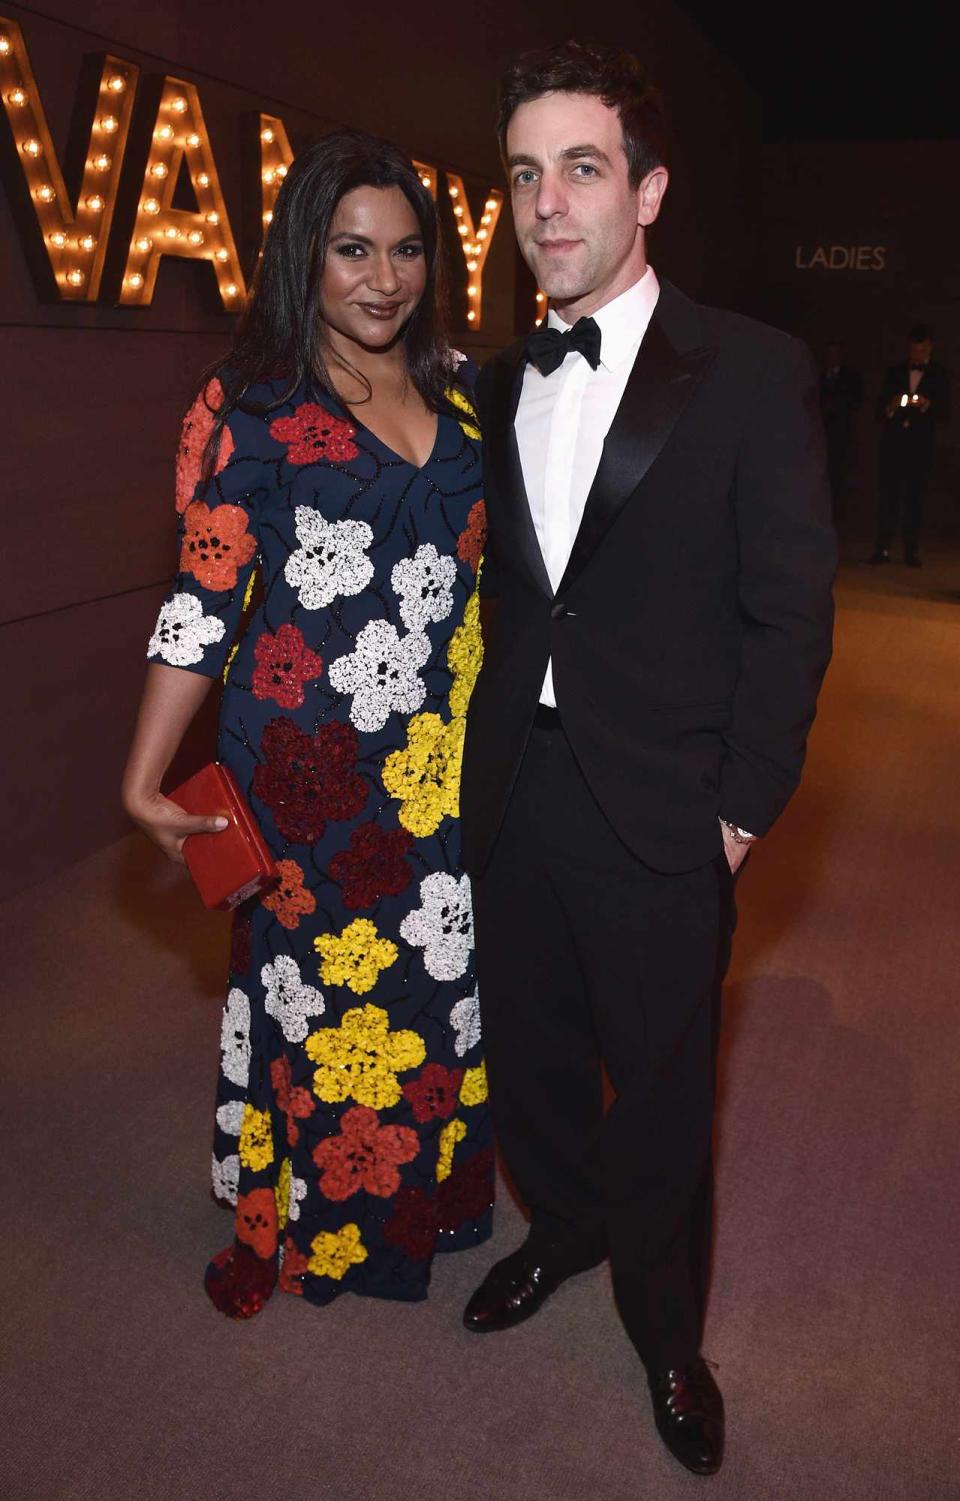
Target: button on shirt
(562,421)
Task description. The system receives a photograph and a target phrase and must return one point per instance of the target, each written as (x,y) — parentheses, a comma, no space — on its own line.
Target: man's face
(579,222)
(920,351)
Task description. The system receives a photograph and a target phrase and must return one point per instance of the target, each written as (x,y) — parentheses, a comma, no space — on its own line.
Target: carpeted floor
(834,1314)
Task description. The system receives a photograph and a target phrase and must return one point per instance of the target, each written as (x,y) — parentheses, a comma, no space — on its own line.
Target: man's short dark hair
(920,333)
(614,76)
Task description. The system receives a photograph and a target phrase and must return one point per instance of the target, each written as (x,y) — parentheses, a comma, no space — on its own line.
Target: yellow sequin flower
(356,957)
(425,775)
(452,1132)
(469,421)
(361,1058)
(281,1192)
(333,1254)
(473,1090)
(256,1139)
(465,656)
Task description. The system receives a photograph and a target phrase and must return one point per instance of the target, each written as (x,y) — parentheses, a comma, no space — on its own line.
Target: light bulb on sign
(193,140)
(75,278)
(281,171)
(471,316)
(151,206)
(135,280)
(269,175)
(159,170)
(195,237)
(231,289)
(143,244)
(202,180)
(45,193)
(267,136)
(179,105)
(164,133)
(116,84)
(171,232)
(454,192)
(101,163)
(31,148)
(17,97)
(108,124)
(95,203)
(5,46)
(223,255)
(213,217)
(58,239)
(87,243)
(268,217)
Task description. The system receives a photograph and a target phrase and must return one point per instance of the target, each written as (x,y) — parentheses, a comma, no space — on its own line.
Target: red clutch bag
(236,863)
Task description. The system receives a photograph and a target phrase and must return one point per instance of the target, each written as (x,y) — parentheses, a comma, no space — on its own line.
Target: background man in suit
(658,569)
(914,400)
(841,392)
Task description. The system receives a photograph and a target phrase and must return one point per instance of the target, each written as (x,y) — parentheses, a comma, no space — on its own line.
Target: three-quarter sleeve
(217,542)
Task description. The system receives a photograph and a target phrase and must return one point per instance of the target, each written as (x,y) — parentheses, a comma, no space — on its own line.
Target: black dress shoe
(515,1288)
(688,1410)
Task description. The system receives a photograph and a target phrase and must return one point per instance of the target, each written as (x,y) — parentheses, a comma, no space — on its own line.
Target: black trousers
(904,473)
(588,957)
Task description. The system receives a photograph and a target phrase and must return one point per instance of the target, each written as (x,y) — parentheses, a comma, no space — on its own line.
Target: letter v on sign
(74,235)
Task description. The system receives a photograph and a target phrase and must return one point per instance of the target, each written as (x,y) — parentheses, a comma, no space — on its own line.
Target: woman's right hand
(167,824)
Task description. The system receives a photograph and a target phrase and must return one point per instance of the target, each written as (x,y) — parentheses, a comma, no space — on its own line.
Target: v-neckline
(417,468)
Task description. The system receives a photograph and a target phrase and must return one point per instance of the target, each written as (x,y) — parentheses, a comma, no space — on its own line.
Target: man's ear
(650,195)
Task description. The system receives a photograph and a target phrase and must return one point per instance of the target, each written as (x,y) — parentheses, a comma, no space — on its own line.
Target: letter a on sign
(74,235)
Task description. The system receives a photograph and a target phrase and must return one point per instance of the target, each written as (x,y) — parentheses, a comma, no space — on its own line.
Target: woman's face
(375,269)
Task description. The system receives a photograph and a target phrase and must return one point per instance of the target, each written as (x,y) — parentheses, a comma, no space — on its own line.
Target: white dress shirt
(562,421)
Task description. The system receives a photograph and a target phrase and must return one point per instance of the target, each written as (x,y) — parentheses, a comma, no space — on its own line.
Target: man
(841,392)
(914,400)
(658,574)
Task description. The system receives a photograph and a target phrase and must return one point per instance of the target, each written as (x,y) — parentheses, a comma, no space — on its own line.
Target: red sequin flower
(467,1193)
(307,779)
(433,1093)
(295,1263)
(284,664)
(365,1155)
(295,1101)
(239,1282)
(470,543)
(196,429)
(290,900)
(312,433)
(413,1225)
(373,866)
(215,544)
(256,1221)
(240,943)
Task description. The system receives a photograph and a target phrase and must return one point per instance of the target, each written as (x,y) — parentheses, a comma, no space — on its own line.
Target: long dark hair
(280,334)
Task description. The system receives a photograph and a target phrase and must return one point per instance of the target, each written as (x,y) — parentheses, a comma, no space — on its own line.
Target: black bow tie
(917,367)
(548,347)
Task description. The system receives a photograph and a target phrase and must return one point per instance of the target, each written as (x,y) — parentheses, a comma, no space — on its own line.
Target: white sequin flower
(225,1177)
(382,674)
(235,1038)
(422,584)
(443,925)
(288,999)
(456,358)
(330,560)
(298,1192)
(465,1019)
(182,631)
(230,1117)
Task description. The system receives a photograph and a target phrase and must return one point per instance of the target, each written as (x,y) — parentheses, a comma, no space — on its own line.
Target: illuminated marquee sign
(75,235)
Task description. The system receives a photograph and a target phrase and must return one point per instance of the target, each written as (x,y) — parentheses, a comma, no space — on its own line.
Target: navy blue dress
(333,585)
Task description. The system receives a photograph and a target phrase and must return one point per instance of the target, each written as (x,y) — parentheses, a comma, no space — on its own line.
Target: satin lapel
(661,384)
(504,456)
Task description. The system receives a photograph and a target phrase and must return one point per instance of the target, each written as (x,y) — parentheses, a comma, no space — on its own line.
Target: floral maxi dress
(352,1130)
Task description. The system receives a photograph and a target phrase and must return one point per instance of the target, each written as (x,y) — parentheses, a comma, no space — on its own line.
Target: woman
(333,466)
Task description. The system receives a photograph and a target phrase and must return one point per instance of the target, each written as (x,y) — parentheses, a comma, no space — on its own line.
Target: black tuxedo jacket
(912,426)
(692,627)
